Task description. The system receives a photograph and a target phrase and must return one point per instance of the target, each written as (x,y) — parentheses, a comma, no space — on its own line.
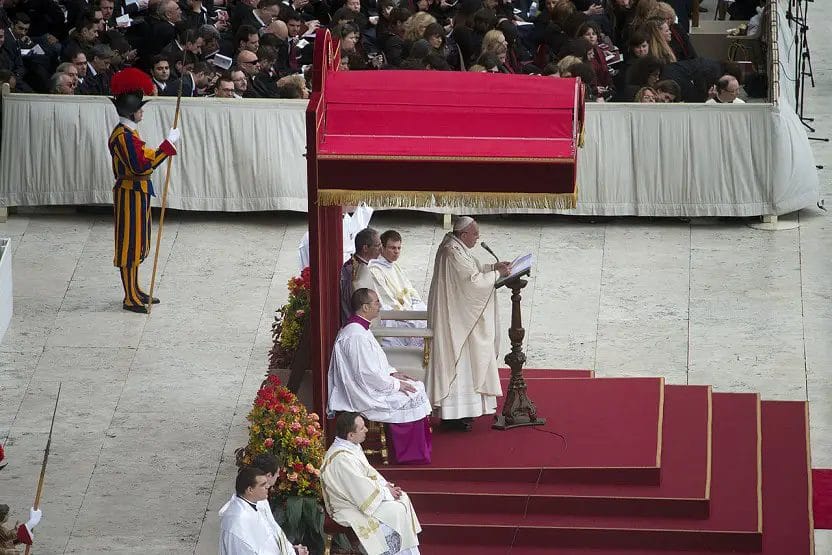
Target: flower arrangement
(279,424)
(288,322)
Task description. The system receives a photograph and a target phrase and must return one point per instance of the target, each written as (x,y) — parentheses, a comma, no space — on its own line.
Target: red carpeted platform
(590,413)
(683,490)
(732,522)
(760,500)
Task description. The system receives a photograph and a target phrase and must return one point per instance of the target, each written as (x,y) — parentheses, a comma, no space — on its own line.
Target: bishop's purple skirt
(411,442)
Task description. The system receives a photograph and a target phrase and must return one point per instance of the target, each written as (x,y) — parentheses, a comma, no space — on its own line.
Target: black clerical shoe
(703,9)
(139,309)
(457,425)
(144,296)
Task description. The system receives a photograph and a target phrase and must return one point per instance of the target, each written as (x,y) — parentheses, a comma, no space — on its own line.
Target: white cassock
(352,224)
(360,381)
(244,531)
(356,495)
(462,377)
(396,293)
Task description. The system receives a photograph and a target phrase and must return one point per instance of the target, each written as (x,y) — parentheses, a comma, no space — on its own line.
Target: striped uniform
(133,164)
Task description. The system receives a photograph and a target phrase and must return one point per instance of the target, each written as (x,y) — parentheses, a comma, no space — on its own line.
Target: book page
(518,266)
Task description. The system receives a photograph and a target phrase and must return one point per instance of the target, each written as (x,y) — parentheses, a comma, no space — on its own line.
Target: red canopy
(423,138)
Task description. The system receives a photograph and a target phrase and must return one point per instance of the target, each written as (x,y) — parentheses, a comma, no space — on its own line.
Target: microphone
(486,247)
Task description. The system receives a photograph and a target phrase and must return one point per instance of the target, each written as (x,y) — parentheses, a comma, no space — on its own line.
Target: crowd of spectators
(623,50)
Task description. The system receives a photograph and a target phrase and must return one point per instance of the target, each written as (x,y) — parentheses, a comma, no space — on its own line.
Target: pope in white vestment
(246,531)
(356,495)
(462,378)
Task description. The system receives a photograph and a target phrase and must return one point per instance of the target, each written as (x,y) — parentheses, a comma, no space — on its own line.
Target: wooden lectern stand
(518,409)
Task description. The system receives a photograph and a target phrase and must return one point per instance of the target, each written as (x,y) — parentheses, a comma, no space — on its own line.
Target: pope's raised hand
(503,267)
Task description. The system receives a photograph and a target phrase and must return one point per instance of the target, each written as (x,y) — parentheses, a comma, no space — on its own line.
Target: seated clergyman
(355,272)
(395,291)
(356,495)
(362,380)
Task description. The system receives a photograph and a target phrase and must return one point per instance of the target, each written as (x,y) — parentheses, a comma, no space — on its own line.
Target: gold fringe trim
(424,199)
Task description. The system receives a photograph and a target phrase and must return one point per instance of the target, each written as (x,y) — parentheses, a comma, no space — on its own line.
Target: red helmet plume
(131,80)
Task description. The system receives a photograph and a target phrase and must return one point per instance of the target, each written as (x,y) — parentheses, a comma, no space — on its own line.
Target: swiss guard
(19,534)
(133,164)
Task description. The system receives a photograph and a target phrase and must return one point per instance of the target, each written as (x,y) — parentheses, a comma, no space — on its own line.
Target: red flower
(274,380)
(297,467)
(268,442)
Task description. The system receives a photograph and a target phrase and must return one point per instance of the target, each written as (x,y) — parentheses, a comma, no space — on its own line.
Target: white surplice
(462,377)
(396,292)
(356,495)
(360,381)
(351,225)
(246,531)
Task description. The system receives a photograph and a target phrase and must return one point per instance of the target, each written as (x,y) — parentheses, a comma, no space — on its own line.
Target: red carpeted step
(682,492)
(548,373)
(734,517)
(787,528)
(591,413)
(787,516)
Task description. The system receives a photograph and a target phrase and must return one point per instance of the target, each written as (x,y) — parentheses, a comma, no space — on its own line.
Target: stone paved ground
(153,408)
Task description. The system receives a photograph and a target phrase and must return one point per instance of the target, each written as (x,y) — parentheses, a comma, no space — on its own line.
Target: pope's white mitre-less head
(467,231)
(463,222)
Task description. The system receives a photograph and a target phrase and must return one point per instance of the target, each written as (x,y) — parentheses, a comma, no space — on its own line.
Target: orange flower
(309,468)
(292,477)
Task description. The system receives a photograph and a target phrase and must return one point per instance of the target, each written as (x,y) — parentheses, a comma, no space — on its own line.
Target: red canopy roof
(393,137)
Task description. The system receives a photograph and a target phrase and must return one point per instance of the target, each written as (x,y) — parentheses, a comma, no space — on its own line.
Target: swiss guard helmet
(129,87)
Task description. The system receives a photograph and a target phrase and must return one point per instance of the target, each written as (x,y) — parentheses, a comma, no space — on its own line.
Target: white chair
(413,361)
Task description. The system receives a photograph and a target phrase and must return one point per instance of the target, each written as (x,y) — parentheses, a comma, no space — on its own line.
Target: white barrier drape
(235,155)
(247,155)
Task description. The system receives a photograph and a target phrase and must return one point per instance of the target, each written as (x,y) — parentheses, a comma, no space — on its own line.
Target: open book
(519,265)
